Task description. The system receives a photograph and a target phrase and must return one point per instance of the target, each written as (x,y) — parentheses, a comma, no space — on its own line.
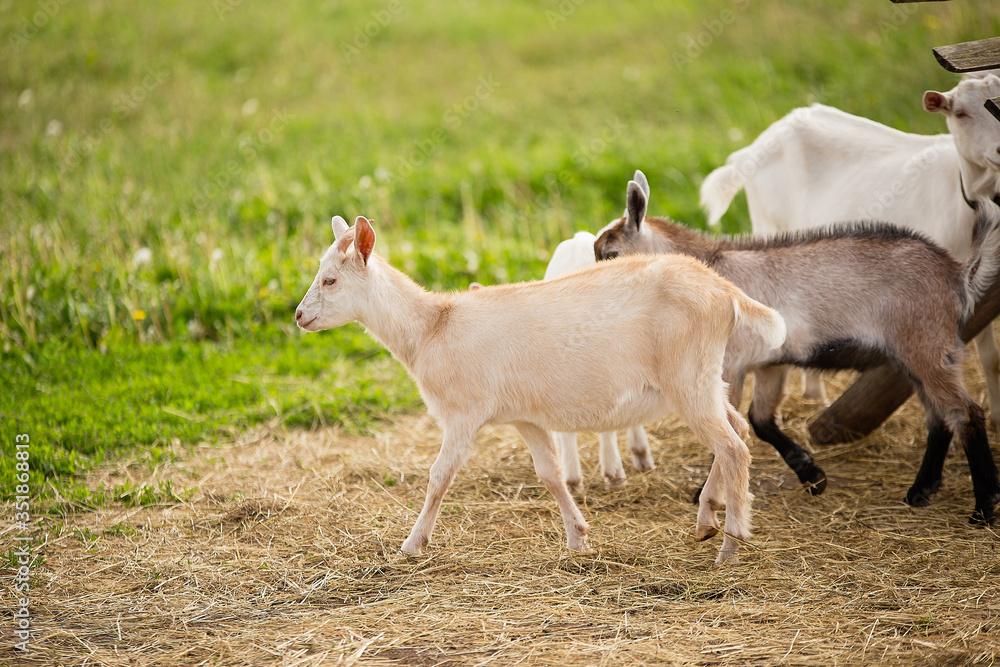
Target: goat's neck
(979,181)
(400,312)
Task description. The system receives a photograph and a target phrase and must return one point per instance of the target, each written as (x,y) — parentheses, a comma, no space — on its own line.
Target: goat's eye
(329,281)
(611,255)
(961,114)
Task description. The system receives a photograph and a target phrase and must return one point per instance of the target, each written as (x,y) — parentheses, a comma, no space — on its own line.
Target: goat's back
(819,166)
(871,283)
(589,350)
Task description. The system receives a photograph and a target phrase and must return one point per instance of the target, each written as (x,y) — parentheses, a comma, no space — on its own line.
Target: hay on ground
(288,554)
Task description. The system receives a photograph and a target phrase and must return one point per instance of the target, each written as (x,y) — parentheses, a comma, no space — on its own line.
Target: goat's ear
(935,101)
(339,226)
(640,178)
(364,238)
(635,206)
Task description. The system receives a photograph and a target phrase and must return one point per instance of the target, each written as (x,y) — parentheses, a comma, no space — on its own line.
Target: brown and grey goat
(853,296)
(523,354)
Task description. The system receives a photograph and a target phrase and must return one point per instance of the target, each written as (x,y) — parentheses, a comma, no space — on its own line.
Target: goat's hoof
(642,461)
(583,544)
(814,480)
(412,546)
(615,483)
(982,518)
(704,532)
(921,497)
(727,558)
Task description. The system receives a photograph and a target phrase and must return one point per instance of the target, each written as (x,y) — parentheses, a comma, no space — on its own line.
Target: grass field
(167,176)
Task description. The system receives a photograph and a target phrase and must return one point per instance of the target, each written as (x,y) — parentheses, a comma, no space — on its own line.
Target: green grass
(167,176)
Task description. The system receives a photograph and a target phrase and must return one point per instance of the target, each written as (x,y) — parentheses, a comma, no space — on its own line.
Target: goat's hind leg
(566,442)
(813,387)
(928,479)
(729,479)
(638,444)
(943,392)
(611,461)
(546,460)
(982,466)
(709,416)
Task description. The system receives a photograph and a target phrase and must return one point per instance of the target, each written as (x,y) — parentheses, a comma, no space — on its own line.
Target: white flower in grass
(216,256)
(142,257)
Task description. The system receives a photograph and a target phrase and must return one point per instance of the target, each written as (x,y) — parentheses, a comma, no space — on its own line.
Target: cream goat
(524,354)
(570,255)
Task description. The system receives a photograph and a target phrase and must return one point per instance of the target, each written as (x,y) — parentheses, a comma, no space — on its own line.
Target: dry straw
(287,555)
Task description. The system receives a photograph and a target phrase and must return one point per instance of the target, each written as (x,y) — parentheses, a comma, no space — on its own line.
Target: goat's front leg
(455,448)
(546,460)
(769,392)
(989,358)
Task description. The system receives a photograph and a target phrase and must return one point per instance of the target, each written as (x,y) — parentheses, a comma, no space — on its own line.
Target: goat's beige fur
(598,349)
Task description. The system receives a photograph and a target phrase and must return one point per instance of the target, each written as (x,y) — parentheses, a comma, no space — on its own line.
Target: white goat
(819,165)
(570,255)
(524,354)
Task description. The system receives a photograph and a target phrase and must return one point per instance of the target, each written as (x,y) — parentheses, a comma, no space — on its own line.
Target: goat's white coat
(819,165)
(524,354)
(570,255)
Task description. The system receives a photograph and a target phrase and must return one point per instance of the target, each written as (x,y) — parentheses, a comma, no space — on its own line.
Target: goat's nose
(298,314)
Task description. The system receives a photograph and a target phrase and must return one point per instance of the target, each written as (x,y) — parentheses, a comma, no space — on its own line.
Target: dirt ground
(287,554)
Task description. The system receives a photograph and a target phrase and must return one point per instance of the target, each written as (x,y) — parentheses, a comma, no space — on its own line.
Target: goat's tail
(983,264)
(763,321)
(719,188)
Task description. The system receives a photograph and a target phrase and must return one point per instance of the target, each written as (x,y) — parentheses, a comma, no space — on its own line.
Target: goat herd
(677,319)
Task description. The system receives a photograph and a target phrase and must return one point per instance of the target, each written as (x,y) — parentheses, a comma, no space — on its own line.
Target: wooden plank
(879,392)
(970,56)
(993,106)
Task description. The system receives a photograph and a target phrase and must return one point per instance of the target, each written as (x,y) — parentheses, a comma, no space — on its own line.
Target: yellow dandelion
(138,315)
